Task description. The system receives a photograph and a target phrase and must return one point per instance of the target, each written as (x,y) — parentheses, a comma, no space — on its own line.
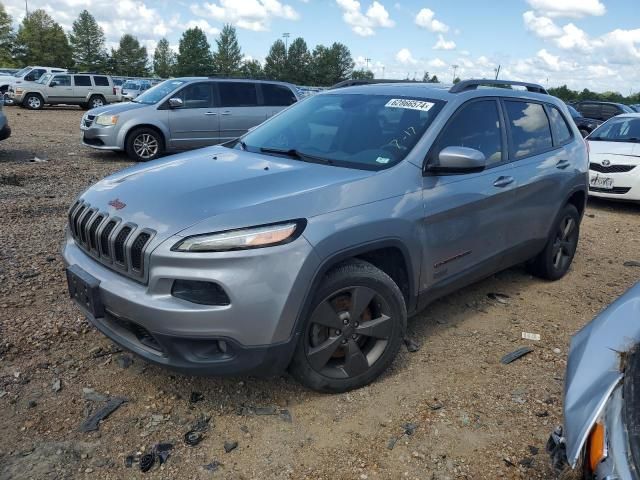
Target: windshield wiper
(293,153)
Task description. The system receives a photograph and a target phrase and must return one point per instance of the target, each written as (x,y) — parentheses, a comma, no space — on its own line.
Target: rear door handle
(211,113)
(503,182)
(226,112)
(562,164)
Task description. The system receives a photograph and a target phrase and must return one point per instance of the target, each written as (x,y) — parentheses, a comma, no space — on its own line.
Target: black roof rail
(466,85)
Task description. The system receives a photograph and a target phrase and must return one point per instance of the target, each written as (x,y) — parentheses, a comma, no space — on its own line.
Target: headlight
(107,119)
(19,91)
(243,239)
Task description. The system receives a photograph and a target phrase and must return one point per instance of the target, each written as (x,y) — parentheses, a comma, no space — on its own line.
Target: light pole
(367,60)
(455,69)
(286,36)
(383,71)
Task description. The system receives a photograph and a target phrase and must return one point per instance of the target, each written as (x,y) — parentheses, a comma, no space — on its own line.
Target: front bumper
(254,334)
(626,185)
(99,137)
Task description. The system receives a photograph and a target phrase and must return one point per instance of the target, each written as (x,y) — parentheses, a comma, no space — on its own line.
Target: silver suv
(86,90)
(308,242)
(184,113)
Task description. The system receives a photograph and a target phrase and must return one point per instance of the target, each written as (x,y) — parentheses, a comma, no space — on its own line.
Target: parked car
(8,71)
(614,158)
(117,84)
(133,88)
(184,113)
(26,74)
(636,107)
(601,110)
(601,439)
(86,90)
(585,125)
(5,130)
(308,241)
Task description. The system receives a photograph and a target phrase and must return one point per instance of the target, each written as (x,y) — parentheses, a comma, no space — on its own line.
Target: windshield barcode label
(410,104)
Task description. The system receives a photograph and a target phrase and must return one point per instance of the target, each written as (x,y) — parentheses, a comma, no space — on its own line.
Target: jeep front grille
(118,245)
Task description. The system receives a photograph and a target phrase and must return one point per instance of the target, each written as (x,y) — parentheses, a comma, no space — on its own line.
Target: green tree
(456,80)
(362,74)
(88,43)
(227,59)
(194,54)
(130,58)
(7,38)
(275,65)
(252,69)
(434,79)
(42,41)
(342,61)
(331,65)
(164,60)
(426,78)
(298,62)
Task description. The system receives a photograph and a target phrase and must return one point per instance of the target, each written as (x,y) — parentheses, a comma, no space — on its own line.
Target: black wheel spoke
(325,315)
(355,361)
(380,327)
(360,299)
(320,355)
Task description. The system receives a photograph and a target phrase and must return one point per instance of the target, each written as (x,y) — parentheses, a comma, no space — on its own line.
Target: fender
(129,126)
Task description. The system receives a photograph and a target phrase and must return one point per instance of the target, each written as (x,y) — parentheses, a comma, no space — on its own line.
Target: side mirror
(175,102)
(53,84)
(459,160)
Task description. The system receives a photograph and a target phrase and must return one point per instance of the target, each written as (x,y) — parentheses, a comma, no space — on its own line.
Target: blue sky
(583,43)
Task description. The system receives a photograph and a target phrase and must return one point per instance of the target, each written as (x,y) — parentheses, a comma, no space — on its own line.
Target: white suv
(86,90)
(27,74)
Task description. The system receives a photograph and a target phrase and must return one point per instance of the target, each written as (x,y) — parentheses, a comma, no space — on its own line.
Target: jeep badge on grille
(117,204)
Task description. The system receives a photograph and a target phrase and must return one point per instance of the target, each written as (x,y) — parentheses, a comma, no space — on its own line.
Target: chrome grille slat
(119,246)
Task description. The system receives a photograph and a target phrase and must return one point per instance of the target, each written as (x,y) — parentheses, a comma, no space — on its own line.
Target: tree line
(39,40)
(568,95)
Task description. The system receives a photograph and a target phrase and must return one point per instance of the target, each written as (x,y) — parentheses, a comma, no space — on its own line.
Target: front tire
(33,101)
(355,328)
(554,261)
(144,144)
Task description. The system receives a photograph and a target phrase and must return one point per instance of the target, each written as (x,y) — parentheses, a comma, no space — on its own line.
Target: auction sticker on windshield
(410,104)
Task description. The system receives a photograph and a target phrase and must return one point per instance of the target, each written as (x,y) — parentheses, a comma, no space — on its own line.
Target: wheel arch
(127,133)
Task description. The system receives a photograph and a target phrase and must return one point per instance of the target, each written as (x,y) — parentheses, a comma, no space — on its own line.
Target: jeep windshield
(159,92)
(364,131)
(44,78)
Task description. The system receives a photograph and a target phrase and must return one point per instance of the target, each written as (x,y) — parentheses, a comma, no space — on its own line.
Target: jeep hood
(232,188)
(594,367)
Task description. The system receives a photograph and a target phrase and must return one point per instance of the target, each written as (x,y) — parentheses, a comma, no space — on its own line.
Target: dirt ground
(470,416)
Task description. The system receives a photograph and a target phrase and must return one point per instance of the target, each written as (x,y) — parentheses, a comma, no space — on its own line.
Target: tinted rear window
(561,132)
(277,95)
(529,128)
(81,81)
(589,110)
(101,81)
(238,94)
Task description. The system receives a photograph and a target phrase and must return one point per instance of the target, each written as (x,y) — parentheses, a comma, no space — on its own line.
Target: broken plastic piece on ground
(147,461)
(510,357)
(499,297)
(213,466)
(391,443)
(162,450)
(412,346)
(193,438)
(531,336)
(128,461)
(631,263)
(436,406)
(410,428)
(92,423)
(230,446)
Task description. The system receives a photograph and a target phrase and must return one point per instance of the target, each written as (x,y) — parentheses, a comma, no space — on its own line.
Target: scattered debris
(286,415)
(410,428)
(533,450)
(37,159)
(508,462)
(526,462)
(147,461)
(202,424)
(125,361)
(531,336)
(230,446)
(499,297)
(57,385)
(193,438)
(32,404)
(93,396)
(11,179)
(542,414)
(515,355)
(162,451)
(436,406)
(247,411)
(196,397)
(213,466)
(92,423)
(631,263)
(557,351)
(412,345)
(392,443)
(128,461)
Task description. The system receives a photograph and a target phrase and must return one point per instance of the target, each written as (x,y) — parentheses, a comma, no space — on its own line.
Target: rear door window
(561,132)
(62,80)
(529,128)
(101,81)
(277,95)
(238,94)
(477,125)
(609,111)
(81,81)
(590,110)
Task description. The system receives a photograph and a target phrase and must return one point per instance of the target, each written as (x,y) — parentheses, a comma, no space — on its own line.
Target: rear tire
(96,101)
(354,330)
(144,144)
(554,261)
(33,101)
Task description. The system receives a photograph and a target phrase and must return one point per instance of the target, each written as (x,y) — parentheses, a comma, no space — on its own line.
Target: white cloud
(247,14)
(568,8)
(426,19)
(405,57)
(573,38)
(364,24)
(542,27)
(436,63)
(203,25)
(551,61)
(443,44)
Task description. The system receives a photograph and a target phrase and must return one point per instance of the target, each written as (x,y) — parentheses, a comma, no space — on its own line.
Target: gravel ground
(470,417)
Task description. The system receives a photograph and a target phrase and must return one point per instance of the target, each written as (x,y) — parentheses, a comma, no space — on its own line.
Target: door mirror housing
(175,102)
(458,160)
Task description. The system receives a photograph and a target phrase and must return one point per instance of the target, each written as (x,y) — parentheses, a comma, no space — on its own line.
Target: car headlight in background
(244,238)
(107,119)
(19,91)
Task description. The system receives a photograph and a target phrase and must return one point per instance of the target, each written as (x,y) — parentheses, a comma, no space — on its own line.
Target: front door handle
(503,182)
(226,112)
(562,164)
(211,113)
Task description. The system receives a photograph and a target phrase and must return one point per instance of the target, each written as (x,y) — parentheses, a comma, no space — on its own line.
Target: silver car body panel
(594,367)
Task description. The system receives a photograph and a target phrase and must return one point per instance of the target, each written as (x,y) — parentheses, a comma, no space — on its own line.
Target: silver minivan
(185,113)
